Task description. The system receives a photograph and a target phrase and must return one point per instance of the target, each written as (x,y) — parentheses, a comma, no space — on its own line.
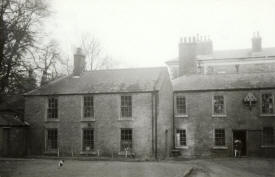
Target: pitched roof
(233,54)
(11,120)
(106,81)
(224,82)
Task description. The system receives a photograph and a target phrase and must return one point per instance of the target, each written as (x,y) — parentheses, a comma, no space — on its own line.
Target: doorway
(240,135)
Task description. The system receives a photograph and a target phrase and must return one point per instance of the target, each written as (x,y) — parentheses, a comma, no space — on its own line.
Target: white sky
(141,33)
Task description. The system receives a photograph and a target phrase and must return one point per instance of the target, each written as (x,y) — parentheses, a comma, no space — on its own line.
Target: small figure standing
(237,148)
(60,163)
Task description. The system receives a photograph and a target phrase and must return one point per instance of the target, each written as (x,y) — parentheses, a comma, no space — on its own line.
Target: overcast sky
(141,33)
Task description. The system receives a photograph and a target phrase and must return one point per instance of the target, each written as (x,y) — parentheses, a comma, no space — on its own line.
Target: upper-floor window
(88,139)
(126,106)
(180,137)
(218,105)
(52,108)
(268,136)
(88,107)
(51,139)
(267,103)
(219,137)
(180,105)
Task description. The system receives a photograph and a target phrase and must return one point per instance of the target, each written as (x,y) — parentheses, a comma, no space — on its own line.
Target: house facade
(104,112)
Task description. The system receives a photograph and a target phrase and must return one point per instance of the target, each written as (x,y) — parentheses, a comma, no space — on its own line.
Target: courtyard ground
(244,167)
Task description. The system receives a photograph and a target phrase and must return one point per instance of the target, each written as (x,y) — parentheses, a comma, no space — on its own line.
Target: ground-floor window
(180,137)
(268,136)
(88,139)
(51,140)
(219,137)
(126,139)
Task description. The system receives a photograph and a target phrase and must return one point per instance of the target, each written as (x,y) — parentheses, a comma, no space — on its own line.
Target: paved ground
(227,167)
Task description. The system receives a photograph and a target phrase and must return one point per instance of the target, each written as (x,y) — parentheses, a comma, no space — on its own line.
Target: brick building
(105,111)
(206,60)
(212,109)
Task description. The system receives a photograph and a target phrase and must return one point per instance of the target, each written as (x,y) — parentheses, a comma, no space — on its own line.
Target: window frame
(177,114)
(92,117)
(48,108)
(179,145)
(132,139)
(224,114)
(261,105)
(47,149)
(215,139)
(83,141)
(121,117)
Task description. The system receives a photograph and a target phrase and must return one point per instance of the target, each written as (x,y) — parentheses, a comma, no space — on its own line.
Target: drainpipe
(154,123)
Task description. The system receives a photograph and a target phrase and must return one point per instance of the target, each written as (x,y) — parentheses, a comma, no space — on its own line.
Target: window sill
(219,115)
(181,147)
(125,118)
(88,153)
(267,115)
(181,116)
(267,146)
(51,152)
(124,153)
(220,147)
(88,120)
(52,120)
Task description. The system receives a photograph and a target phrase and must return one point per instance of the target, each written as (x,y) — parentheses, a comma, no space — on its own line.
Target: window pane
(181,137)
(88,139)
(268,136)
(267,103)
(219,137)
(126,106)
(218,104)
(126,139)
(51,139)
(88,106)
(181,105)
(52,108)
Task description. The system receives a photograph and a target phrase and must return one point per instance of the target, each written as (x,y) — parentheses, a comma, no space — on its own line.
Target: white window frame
(214,140)
(120,112)
(46,141)
(84,119)
(175,105)
(176,138)
(261,104)
(213,110)
(47,119)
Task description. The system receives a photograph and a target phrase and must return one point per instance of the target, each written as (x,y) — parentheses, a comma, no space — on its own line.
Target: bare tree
(19,26)
(92,49)
(94,54)
(48,62)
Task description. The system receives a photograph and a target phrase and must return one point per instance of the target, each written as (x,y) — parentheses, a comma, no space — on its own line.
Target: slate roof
(8,119)
(233,54)
(224,82)
(106,81)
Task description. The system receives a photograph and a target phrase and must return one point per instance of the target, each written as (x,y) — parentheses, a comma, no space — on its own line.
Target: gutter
(155,124)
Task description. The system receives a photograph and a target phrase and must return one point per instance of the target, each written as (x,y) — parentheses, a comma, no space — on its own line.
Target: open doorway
(240,135)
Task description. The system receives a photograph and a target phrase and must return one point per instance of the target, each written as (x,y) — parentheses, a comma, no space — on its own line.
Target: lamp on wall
(250,100)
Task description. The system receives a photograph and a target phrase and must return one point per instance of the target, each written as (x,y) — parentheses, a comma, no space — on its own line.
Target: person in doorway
(237,148)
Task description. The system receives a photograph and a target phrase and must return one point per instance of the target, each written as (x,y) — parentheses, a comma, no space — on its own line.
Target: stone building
(110,112)
(197,56)
(212,109)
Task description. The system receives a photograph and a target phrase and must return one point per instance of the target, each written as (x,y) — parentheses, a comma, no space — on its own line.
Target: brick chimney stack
(256,42)
(79,62)
(187,55)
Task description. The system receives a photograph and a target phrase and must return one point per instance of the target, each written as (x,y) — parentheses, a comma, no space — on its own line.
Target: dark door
(6,141)
(240,135)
